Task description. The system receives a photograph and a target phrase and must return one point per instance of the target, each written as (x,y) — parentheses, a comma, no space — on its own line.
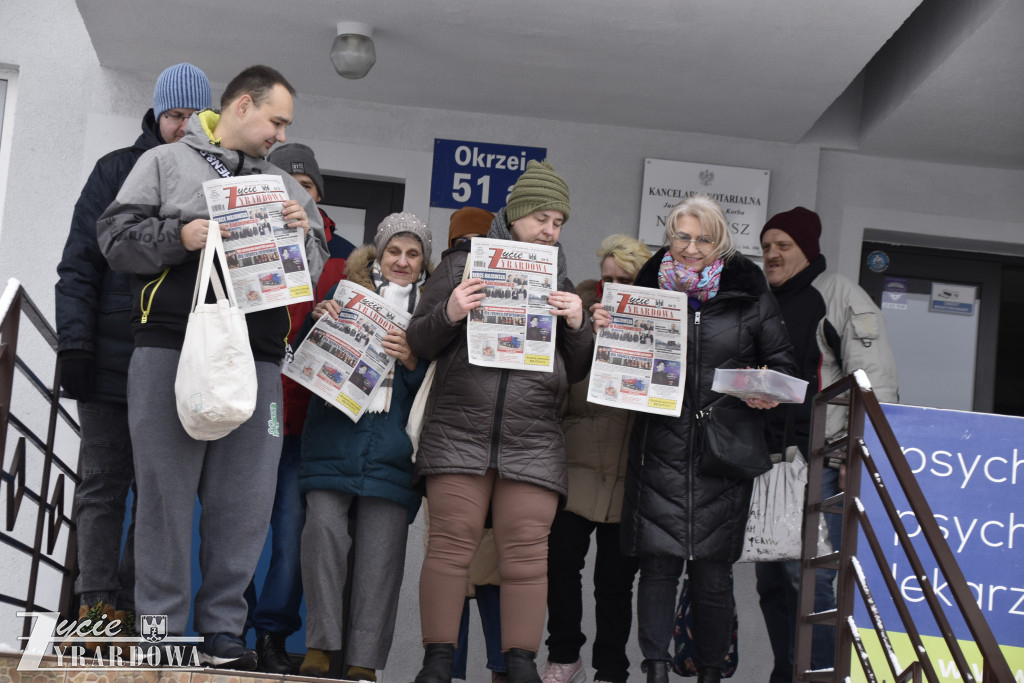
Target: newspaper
(343,361)
(266,260)
(640,358)
(513,327)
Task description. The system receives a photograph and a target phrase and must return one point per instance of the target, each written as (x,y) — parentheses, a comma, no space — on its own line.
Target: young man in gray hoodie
(155,230)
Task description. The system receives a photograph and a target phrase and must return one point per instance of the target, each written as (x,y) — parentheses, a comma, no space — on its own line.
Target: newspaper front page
(343,361)
(640,358)
(266,259)
(513,327)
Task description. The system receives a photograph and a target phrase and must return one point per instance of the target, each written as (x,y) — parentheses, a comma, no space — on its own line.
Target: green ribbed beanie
(538,189)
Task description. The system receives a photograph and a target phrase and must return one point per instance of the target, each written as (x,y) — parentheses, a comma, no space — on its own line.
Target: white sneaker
(564,673)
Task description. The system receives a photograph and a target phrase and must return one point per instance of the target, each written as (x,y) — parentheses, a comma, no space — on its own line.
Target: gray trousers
(234,477)
(105,457)
(381,530)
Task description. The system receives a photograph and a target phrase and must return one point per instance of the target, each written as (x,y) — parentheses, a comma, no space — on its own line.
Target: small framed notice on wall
(741,192)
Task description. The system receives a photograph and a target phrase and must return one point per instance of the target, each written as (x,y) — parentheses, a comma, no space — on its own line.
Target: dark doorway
(944,355)
(357,198)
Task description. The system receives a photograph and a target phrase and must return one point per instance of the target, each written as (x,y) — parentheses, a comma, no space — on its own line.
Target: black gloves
(77,375)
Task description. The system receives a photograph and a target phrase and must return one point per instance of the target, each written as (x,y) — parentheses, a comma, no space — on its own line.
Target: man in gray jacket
(155,230)
(835,328)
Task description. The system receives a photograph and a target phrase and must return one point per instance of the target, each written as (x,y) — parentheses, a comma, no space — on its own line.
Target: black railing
(51,518)
(854,391)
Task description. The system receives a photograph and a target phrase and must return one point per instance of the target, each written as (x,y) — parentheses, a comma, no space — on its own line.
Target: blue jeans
(277,609)
(778,585)
(105,458)
(488,603)
(712,606)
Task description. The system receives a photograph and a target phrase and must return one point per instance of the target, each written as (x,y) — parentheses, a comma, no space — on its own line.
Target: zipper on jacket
(496,424)
(146,305)
(643,448)
(693,435)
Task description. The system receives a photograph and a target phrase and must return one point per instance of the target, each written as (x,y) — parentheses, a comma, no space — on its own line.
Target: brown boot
(316,663)
(88,615)
(360,673)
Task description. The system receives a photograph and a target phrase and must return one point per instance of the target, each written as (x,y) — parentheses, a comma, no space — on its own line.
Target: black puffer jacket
(476,415)
(93,302)
(672,509)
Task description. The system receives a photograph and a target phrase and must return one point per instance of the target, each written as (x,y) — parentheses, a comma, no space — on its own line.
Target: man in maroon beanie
(835,329)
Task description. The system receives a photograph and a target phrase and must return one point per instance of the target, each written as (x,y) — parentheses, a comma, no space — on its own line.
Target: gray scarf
(499,231)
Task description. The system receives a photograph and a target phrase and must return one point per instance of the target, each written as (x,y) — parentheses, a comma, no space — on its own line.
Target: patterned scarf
(397,296)
(698,286)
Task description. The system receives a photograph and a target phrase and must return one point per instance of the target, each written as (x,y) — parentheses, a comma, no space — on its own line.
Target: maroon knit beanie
(803,225)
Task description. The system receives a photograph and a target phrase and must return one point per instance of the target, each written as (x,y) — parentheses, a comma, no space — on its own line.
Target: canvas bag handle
(214,248)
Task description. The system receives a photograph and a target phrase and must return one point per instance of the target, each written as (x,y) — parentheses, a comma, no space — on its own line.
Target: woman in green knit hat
(492,442)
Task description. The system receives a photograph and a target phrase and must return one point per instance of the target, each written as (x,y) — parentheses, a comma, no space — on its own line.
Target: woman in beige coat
(597,446)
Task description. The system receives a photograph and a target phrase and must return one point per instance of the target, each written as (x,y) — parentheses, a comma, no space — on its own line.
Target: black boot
(272,655)
(437,663)
(657,670)
(709,675)
(520,667)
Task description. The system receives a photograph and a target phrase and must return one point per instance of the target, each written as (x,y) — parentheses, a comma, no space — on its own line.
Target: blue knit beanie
(181,86)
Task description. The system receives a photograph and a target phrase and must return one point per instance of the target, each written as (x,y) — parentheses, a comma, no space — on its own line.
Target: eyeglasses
(683,240)
(174,117)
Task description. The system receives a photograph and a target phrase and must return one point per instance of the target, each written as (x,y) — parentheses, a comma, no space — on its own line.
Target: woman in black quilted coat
(674,513)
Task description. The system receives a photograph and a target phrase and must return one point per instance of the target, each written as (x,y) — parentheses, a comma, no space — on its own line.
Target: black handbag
(731,441)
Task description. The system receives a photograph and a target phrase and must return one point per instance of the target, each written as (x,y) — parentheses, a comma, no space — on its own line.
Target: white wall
(69,110)
(968,202)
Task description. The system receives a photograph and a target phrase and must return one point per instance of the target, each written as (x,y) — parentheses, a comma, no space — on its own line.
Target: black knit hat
(803,225)
(294,157)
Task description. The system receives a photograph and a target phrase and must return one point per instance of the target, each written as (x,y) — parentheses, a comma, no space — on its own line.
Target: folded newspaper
(343,361)
(266,259)
(640,358)
(513,327)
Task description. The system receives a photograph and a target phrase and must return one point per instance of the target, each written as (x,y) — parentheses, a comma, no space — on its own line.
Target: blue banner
(970,467)
(477,173)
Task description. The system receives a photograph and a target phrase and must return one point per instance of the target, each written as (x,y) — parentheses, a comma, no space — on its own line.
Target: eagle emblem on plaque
(706,177)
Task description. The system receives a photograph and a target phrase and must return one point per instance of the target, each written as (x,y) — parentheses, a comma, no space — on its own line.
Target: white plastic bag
(215,388)
(775,522)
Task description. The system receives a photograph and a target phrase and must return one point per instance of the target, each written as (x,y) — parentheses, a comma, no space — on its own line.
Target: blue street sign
(477,173)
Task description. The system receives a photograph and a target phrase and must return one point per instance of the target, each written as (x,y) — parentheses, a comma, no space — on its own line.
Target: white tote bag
(215,388)
(418,410)
(775,523)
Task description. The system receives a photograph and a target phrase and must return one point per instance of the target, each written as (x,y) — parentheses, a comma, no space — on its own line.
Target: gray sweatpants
(234,477)
(381,530)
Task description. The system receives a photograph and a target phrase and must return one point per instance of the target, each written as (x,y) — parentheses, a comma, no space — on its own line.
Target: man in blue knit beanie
(95,344)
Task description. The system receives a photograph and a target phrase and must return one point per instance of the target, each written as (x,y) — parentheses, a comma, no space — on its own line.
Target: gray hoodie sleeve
(316,241)
(134,233)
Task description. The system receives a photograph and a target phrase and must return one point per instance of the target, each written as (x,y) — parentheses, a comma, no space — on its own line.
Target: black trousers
(613,593)
(712,605)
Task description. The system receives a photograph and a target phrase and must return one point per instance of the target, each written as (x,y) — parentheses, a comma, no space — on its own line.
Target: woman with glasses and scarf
(359,474)
(675,514)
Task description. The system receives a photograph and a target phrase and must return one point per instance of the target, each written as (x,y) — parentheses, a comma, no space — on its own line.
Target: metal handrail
(855,391)
(51,516)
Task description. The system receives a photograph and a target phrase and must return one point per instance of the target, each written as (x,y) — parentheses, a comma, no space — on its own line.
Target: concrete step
(49,672)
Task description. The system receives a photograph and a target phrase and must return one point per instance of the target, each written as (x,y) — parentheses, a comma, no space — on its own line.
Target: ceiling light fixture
(352,53)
